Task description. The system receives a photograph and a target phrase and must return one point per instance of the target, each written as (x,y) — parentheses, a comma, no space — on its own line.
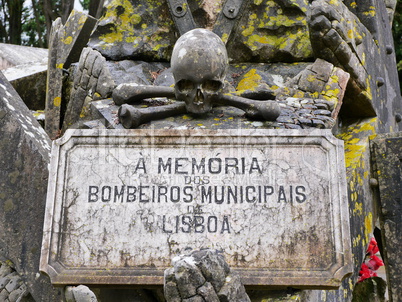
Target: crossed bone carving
(199,63)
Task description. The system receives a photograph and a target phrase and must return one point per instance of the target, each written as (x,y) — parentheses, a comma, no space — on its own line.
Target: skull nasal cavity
(199,95)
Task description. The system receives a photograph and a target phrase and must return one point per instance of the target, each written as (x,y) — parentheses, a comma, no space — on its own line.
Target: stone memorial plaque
(122,203)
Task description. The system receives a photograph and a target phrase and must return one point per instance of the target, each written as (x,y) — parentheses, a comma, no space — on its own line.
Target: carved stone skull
(199,62)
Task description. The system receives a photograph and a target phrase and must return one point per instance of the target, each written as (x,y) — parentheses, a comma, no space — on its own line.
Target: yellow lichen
(248,31)
(250,80)
(68,40)
(358,208)
(371,12)
(368,226)
(124,22)
(57,101)
(225,37)
(299,94)
(356,240)
(82,20)
(311,78)
(355,144)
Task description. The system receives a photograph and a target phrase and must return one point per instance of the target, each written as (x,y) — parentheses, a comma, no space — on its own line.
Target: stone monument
(246,166)
(273,201)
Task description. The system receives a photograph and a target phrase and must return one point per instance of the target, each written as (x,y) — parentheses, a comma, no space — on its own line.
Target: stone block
(130,28)
(188,278)
(106,111)
(65,46)
(19,294)
(54,82)
(90,60)
(106,83)
(233,290)
(31,75)
(98,65)
(297,181)
(4,295)
(388,155)
(14,55)
(25,151)
(79,293)
(74,37)
(74,107)
(207,292)
(13,283)
(4,270)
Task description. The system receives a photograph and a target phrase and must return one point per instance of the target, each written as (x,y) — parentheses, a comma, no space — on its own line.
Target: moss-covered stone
(272,31)
(135,29)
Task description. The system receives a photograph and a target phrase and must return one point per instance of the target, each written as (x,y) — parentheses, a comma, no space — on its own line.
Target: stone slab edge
(141,276)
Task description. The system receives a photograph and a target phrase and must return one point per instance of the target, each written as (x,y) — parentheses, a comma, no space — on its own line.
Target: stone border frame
(330,277)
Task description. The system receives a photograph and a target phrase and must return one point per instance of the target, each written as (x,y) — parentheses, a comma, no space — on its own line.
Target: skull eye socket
(211,85)
(185,86)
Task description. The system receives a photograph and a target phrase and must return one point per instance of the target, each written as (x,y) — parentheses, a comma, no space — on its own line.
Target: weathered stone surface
(33,76)
(79,293)
(293,187)
(372,290)
(54,82)
(271,31)
(65,46)
(138,30)
(24,150)
(321,80)
(106,111)
(331,35)
(146,30)
(13,55)
(256,81)
(92,80)
(233,290)
(74,37)
(139,72)
(192,276)
(388,157)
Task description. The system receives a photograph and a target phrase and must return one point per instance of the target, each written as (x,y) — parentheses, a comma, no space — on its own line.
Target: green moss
(8,205)
(13,176)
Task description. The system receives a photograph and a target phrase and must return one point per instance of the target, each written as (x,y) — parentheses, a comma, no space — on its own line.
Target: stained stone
(171,188)
(32,75)
(322,112)
(284,119)
(25,150)
(318,123)
(54,82)
(65,46)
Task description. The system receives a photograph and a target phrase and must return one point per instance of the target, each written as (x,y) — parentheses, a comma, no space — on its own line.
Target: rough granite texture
(25,150)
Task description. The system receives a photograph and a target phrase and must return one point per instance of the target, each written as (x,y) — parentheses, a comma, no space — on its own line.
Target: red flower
(374,263)
(364,272)
(373,247)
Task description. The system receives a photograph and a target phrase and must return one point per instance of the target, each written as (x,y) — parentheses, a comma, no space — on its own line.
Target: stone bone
(132,117)
(199,80)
